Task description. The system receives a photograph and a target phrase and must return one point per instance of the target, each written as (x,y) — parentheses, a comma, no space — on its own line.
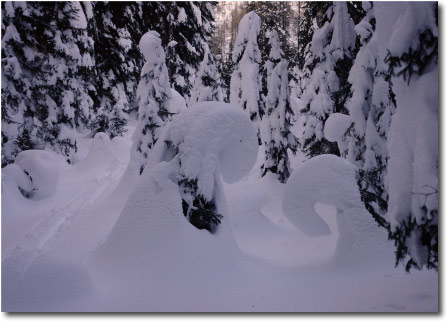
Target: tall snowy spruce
(207,85)
(329,61)
(185,35)
(275,124)
(153,96)
(118,62)
(47,63)
(363,135)
(413,145)
(245,85)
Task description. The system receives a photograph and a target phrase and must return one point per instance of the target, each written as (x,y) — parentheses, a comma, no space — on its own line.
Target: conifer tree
(118,62)
(207,86)
(275,124)
(46,59)
(413,166)
(329,61)
(186,35)
(245,83)
(154,97)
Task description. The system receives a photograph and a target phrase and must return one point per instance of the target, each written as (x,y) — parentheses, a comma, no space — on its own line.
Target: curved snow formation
(213,138)
(331,180)
(152,234)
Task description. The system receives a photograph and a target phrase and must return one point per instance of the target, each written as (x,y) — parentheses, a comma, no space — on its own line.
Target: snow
(97,236)
(178,103)
(331,180)
(414,18)
(257,261)
(80,21)
(211,138)
(336,126)
(43,169)
(150,45)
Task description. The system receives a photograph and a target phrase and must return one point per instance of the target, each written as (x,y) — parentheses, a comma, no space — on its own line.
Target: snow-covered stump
(204,144)
(331,180)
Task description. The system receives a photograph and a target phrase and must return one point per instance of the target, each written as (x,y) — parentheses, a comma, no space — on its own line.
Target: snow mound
(43,168)
(15,183)
(150,46)
(100,152)
(331,180)
(336,126)
(177,104)
(152,233)
(211,137)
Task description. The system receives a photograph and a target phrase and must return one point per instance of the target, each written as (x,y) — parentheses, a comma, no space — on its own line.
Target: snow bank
(43,168)
(331,180)
(100,153)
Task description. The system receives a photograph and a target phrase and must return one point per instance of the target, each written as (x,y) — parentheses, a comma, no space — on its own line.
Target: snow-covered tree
(118,61)
(245,83)
(46,62)
(275,133)
(186,34)
(413,144)
(207,86)
(153,95)
(207,142)
(329,60)
(370,109)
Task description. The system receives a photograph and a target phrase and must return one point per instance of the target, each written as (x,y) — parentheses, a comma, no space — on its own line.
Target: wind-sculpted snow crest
(203,143)
(331,180)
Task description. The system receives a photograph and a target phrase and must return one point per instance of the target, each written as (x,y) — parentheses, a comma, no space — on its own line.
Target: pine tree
(186,35)
(328,62)
(154,97)
(275,124)
(207,86)
(45,45)
(413,145)
(370,107)
(118,61)
(245,83)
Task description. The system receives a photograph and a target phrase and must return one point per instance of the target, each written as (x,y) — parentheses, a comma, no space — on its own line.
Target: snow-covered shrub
(154,97)
(43,169)
(275,133)
(245,82)
(331,180)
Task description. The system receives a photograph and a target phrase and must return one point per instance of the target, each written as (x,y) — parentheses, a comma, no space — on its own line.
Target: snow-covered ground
(57,252)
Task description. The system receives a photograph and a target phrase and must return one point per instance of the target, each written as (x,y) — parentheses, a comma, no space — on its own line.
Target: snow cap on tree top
(150,45)
(247,34)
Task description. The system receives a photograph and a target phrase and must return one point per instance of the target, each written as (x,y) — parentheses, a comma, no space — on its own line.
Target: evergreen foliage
(275,125)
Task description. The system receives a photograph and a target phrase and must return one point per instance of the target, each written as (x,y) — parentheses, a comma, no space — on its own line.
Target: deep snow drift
(92,247)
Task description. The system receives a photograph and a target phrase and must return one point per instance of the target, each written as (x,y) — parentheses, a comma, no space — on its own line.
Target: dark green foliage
(200,212)
(415,61)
